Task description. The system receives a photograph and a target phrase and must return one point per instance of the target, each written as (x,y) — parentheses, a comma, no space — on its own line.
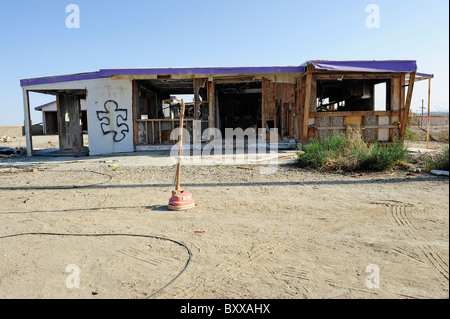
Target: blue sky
(35,42)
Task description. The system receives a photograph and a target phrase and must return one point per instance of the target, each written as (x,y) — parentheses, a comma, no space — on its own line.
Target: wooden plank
(70,132)
(428,114)
(300,105)
(146,133)
(195,99)
(269,101)
(273,103)
(352,113)
(412,77)
(378,131)
(263,103)
(211,99)
(235,79)
(402,97)
(295,127)
(307,105)
(153,132)
(396,93)
(355,75)
(133,106)
(362,128)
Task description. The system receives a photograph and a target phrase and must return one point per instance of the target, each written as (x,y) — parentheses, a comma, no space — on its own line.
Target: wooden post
(134,105)
(428,115)
(263,105)
(180,147)
(307,106)
(412,77)
(211,100)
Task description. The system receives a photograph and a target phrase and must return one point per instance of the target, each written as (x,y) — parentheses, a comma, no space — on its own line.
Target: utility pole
(421,118)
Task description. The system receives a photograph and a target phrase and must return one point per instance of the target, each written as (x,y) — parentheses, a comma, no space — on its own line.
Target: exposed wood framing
(134,105)
(211,99)
(428,114)
(263,103)
(404,121)
(352,76)
(307,106)
(269,97)
(69,129)
(352,113)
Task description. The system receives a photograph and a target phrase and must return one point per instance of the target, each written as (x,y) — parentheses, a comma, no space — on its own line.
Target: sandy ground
(294,234)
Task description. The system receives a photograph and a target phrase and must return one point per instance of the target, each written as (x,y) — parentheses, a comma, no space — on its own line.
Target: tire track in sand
(429,253)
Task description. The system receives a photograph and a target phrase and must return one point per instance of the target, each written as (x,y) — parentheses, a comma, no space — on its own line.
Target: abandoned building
(130,110)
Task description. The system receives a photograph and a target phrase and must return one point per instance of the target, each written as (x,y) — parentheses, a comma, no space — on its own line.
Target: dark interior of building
(239,104)
(349,95)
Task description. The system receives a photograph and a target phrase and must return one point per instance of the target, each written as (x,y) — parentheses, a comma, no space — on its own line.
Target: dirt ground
(295,234)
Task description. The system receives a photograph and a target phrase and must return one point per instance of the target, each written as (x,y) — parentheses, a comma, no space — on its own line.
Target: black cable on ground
(109,178)
(127,235)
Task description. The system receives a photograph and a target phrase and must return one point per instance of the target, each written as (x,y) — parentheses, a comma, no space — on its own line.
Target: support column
(412,78)
(211,100)
(27,121)
(428,114)
(307,106)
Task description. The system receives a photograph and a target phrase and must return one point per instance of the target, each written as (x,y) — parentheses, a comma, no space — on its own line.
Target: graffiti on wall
(112,120)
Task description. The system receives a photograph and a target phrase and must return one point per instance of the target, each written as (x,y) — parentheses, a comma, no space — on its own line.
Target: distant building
(50,117)
(435,120)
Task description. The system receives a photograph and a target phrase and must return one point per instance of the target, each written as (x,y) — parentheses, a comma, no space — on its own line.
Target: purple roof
(424,75)
(356,66)
(38,108)
(62,78)
(366,66)
(207,70)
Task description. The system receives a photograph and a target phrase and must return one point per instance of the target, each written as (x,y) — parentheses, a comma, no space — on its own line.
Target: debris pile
(6,139)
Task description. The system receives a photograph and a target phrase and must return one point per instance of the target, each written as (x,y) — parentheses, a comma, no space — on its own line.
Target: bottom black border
(224,308)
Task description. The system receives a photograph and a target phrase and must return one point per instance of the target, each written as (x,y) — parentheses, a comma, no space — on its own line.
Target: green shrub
(410,135)
(440,162)
(351,154)
(317,154)
(379,157)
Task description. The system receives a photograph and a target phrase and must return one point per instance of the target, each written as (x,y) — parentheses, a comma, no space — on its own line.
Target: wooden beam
(412,77)
(296,110)
(211,100)
(196,88)
(134,105)
(352,113)
(263,103)
(307,106)
(281,124)
(428,114)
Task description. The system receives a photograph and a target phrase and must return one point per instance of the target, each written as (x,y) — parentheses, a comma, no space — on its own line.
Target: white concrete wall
(115,97)
(102,139)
